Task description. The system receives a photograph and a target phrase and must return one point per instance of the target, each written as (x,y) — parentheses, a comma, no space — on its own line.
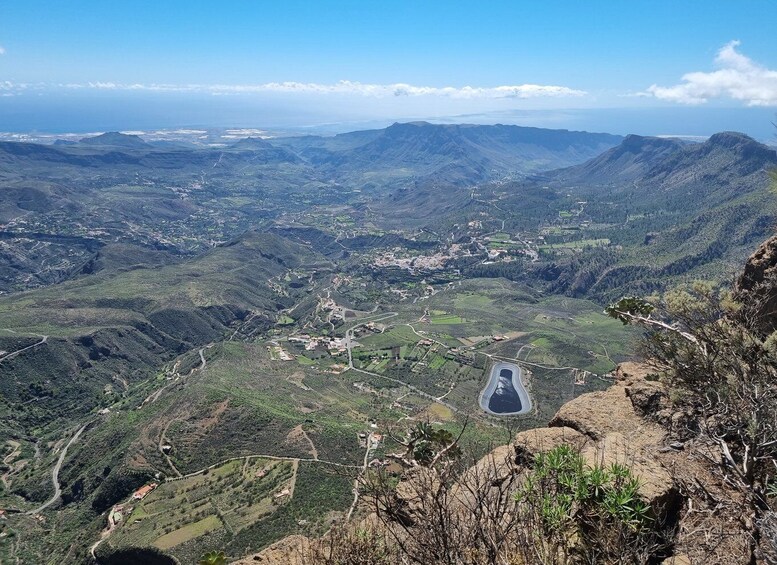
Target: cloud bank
(339,88)
(737,77)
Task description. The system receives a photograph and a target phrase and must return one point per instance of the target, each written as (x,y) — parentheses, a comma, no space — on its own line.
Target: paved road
(348,345)
(13,354)
(55,474)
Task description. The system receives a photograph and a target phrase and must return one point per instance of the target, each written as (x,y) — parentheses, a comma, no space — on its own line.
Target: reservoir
(505,395)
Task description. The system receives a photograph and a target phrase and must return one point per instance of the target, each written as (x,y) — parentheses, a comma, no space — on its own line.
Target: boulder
(527,444)
(656,484)
(647,397)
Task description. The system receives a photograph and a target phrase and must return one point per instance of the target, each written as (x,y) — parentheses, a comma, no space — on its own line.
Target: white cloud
(2,50)
(401,89)
(344,87)
(737,77)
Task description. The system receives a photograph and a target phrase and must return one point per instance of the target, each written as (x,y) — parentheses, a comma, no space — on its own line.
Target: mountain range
(182,306)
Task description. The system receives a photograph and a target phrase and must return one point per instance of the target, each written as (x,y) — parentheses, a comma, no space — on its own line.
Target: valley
(250,327)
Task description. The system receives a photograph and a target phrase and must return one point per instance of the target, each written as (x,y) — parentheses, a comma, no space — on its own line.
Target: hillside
(263,315)
(116,327)
(116,139)
(629,161)
(116,187)
(478,152)
(668,211)
(628,427)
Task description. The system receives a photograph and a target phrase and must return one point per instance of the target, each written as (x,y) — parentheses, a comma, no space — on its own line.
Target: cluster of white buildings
(335,345)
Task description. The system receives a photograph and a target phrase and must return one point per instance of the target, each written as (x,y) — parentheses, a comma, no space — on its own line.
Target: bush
(722,366)
(560,512)
(591,513)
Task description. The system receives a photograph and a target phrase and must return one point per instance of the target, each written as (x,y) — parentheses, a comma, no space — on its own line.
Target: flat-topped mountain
(116,139)
(264,151)
(485,149)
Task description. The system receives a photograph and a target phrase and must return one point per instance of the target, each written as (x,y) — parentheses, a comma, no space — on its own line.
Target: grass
(188,532)
(285,320)
(305,361)
(229,497)
(447,319)
(473,301)
(440,412)
(437,362)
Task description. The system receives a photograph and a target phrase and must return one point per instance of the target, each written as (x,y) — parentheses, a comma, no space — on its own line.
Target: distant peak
(115,138)
(402,125)
(252,142)
(634,144)
(730,139)
(638,140)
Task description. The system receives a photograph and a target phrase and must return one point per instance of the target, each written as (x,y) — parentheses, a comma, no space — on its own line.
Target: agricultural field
(234,503)
(442,345)
(229,497)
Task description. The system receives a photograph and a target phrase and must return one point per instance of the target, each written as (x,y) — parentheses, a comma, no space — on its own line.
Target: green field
(447,319)
(229,497)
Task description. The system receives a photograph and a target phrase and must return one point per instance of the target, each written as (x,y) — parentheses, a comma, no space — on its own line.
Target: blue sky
(338,61)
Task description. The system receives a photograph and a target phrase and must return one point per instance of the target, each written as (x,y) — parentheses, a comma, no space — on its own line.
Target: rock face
(288,551)
(611,429)
(633,423)
(527,444)
(757,286)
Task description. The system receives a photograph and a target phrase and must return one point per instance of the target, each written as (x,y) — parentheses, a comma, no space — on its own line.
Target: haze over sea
(655,68)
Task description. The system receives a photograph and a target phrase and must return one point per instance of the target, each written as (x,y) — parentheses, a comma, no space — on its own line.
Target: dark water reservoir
(505,394)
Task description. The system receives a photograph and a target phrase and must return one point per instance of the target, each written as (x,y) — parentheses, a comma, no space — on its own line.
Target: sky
(653,67)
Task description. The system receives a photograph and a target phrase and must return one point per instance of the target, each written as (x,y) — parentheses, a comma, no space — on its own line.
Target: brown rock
(756,287)
(656,484)
(597,414)
(290,550)
(527,444)
(632,371)
(647,397)
(498,464)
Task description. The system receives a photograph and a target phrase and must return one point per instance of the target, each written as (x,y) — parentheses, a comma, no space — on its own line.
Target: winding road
(44,339)
(55,473)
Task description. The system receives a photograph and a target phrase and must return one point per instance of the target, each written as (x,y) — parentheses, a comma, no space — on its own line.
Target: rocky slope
(631,423)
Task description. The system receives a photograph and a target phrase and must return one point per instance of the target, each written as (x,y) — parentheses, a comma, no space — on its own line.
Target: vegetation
(562,512)
(714,352)
(213,558)
(161,298)
(580,513)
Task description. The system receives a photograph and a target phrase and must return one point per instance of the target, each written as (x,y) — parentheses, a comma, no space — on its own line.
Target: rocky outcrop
(630,423)
(609,427)
(527,444)
(756,287)
(634,423)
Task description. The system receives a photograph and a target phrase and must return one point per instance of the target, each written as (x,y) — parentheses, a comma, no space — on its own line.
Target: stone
(530,442)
